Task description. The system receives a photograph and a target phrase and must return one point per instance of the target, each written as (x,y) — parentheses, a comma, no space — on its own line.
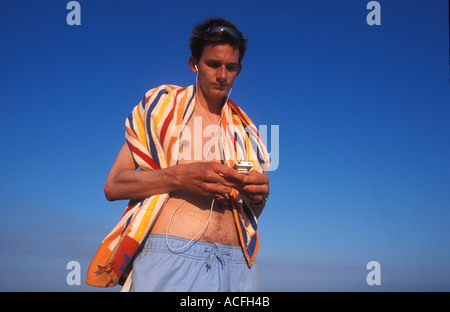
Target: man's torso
(193,214)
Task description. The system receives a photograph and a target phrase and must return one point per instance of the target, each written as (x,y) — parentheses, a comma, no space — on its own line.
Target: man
(191,221)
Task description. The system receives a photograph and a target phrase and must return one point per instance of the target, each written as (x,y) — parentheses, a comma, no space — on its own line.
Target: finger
(216,189)
(231,173)
(257,178)
(255,189)
(254,197)
(214,177)
(230,176)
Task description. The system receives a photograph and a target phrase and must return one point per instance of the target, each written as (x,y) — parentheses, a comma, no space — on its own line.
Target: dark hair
(202,36)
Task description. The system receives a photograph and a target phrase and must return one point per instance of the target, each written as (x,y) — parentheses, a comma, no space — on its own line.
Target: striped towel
(152,129)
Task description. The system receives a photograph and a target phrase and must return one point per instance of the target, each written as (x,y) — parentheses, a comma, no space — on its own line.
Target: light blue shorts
(199,267)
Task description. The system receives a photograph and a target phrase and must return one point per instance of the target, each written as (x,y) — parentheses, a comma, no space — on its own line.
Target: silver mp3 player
(243,166)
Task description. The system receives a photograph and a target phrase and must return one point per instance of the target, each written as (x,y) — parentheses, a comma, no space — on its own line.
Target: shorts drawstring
(214,251)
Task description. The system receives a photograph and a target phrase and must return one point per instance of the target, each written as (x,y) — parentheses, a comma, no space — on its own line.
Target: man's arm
(205,178)
(125,182)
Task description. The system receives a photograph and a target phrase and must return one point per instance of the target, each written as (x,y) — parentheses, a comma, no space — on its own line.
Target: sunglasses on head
(235,33)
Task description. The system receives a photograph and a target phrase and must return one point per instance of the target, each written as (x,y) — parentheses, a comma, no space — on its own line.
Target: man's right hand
(208,178)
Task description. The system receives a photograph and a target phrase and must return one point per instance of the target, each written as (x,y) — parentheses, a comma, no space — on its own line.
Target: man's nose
(222,73)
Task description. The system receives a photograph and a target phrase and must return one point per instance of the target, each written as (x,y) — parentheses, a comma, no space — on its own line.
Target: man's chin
(219,93)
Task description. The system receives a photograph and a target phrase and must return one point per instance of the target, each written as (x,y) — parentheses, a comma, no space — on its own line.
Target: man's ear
(192,63)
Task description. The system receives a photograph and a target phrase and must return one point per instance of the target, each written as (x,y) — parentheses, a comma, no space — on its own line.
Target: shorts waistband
(196,249)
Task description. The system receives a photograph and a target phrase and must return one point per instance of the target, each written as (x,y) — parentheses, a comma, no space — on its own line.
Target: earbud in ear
(196,68)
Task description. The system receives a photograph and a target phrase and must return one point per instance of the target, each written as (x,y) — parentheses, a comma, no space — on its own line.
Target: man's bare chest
(200,141)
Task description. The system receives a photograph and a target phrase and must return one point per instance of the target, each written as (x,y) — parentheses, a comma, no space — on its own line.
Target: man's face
(217,69)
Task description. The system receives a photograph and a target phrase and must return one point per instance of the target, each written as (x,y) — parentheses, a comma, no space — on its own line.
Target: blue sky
(363,114)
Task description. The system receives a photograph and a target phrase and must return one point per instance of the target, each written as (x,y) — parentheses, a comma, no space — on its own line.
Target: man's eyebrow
(220,62)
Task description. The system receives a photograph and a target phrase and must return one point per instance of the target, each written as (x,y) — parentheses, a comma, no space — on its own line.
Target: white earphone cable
(213,200)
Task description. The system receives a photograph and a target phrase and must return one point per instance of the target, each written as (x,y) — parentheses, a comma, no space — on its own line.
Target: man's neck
(212,106)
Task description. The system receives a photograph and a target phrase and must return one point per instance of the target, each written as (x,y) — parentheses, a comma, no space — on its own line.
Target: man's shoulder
(165,88)
(165,97)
